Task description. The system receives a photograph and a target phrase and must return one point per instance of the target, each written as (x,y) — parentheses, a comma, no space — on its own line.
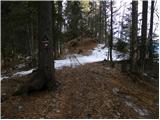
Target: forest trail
(92,90)
(104,55)
(84,51)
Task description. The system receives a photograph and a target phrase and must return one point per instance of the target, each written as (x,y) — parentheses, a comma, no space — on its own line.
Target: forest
(83,59)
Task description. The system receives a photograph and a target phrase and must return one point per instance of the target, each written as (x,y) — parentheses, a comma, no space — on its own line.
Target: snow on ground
(4,77)
(99,53)
(23,73)
(140,111)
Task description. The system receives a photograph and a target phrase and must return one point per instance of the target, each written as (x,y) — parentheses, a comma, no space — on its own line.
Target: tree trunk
(111,34)
(44,76)
(54,28)
(45,56)
(105,19)
(133,54)
(60,25)
(100,23)
(150,46)
(144,34)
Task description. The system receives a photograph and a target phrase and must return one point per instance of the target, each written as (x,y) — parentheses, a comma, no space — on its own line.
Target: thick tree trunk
(45,56)
(134,55)
(44,76)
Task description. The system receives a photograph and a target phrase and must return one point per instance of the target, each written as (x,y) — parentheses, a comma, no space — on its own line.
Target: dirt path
(89,91)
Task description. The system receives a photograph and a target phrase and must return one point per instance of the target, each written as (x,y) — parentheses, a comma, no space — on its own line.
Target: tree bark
(111,32)
(144,34)
(45,38)
(134,54)
(100,23)
(105,21)
(151,32)
(60,25)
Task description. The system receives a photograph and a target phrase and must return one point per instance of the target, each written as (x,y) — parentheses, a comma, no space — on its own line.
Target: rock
(115,90)
(57,110)
(118,114)
(145,74)
(20,108)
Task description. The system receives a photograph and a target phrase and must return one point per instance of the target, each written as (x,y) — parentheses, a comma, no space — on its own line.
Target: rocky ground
(94,90)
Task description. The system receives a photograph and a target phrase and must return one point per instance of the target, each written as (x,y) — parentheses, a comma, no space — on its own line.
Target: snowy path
(99,53)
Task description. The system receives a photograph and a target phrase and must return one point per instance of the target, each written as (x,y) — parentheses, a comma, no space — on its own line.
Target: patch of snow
(23,73)
(115,90)
(4,77)
(62,63)
(141,112)
(99,53)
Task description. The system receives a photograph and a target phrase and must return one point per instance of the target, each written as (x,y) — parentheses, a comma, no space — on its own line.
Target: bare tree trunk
(151,32)
(60,25)
(144,34)
(45,56)
(32,40)
(134,54)
(105,19)
(54,28)
(100,23)
(111,32)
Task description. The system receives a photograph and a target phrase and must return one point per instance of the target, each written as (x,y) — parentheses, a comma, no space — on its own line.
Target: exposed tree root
(36,82)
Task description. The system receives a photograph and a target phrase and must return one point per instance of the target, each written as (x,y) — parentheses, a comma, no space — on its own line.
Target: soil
(94,90)
(81,46)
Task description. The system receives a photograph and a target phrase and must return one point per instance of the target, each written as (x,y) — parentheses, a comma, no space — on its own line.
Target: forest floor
(93,90)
